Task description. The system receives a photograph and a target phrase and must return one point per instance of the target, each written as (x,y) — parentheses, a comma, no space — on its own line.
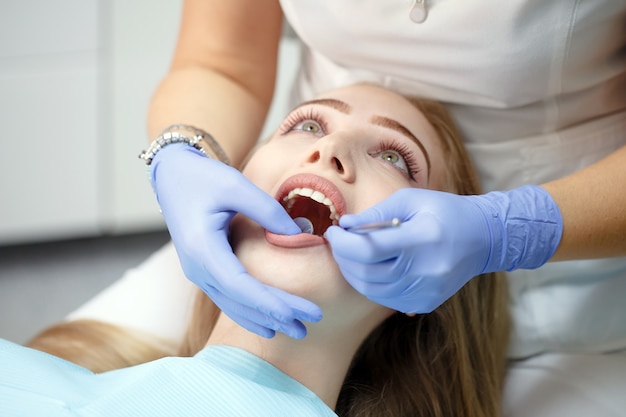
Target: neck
(320,361)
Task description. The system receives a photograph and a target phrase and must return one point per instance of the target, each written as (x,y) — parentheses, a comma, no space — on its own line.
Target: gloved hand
(445,240)
(198,197)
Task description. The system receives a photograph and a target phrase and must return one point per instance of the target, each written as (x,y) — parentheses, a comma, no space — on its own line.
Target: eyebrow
(338,105)
(382,121)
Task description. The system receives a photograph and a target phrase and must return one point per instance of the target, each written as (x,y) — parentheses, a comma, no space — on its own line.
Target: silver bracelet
(190,135)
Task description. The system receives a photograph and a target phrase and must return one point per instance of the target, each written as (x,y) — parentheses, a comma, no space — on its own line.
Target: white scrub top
(537,88)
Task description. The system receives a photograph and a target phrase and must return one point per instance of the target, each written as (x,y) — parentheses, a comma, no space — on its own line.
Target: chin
(310,272)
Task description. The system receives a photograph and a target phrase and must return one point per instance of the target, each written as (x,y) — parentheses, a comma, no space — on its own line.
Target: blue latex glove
(445,240)
(198,197)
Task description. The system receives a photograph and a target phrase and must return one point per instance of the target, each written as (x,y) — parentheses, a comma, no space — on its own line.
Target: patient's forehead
(366,100)
(367,96)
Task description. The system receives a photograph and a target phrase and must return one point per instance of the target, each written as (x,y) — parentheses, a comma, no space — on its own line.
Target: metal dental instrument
(304,224)
(307,226)
(370,227)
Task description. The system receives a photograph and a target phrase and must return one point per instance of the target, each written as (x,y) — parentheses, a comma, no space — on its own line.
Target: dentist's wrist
(525,226)
(189,135)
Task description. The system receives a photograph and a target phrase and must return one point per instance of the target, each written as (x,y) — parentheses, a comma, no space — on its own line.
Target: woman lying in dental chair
(352,147)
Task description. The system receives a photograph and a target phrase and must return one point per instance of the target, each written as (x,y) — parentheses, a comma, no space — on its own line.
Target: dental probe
(306,225)
(370,227)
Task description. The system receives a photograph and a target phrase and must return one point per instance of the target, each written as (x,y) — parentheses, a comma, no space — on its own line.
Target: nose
(335,152)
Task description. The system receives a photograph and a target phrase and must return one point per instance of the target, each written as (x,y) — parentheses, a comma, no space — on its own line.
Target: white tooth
(317,196)
(327,202)
(306,192)
(289,196)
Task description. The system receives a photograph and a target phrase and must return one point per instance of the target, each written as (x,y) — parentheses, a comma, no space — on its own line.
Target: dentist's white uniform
(538,89)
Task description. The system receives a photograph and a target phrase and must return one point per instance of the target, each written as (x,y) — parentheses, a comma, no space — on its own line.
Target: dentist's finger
(265,211)
(368,248)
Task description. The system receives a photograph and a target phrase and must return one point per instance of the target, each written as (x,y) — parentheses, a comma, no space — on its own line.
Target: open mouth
(314,202)
(311,209)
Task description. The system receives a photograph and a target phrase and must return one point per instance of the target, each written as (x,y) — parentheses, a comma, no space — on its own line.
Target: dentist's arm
(221,81)
(447,239)
(593,204)
(222,74)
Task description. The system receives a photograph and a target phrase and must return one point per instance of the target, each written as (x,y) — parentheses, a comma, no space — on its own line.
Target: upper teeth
(314,195)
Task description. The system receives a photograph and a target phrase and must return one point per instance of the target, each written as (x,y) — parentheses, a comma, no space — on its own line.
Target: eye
(400,156)
(394,158)
(391,157)
(309,126)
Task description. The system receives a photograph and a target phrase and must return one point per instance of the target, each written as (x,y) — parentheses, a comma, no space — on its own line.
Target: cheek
(442,179)
(266,166)
(376,187)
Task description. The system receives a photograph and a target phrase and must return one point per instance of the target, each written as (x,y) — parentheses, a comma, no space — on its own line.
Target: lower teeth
(304,224)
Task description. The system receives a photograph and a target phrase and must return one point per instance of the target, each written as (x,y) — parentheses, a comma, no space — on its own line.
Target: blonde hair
(100,346)
(450,362)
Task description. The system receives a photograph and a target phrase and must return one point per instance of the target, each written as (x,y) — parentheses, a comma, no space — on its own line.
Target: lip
(314,182)
(302,240)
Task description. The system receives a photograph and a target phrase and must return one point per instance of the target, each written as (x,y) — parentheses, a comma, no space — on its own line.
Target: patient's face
(341,153)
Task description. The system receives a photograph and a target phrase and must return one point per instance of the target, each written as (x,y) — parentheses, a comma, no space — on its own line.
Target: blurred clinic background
(76,208)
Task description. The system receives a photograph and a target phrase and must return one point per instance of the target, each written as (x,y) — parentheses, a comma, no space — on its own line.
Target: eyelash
(405,153)
(302,115)
(299,116)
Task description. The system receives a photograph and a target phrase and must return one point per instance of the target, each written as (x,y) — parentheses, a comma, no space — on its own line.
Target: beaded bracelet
(176,134)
